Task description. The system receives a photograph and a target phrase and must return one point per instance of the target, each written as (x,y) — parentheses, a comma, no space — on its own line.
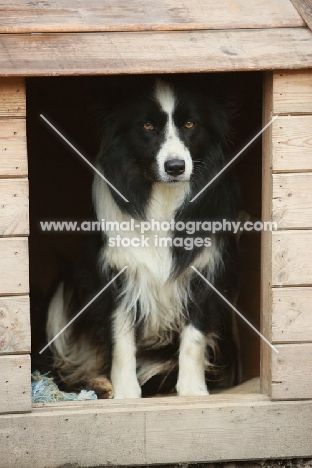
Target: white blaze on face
(172,147)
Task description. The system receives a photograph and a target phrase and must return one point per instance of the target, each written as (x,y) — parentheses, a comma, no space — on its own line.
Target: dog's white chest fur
(161,301)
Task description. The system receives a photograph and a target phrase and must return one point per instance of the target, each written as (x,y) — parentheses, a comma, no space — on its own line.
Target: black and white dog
(163,139)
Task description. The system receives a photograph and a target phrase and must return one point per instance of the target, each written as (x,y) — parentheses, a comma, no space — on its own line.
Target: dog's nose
(175,167)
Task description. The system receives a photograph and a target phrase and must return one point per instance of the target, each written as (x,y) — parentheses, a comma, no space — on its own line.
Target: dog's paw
(191,388)
(126,390)
(102,386)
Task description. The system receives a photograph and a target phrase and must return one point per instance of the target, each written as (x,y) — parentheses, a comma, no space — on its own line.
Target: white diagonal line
(83,309)
(235,310)
(83,157)
(235,157)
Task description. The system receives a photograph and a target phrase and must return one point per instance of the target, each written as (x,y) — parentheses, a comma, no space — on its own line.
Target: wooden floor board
(191,432)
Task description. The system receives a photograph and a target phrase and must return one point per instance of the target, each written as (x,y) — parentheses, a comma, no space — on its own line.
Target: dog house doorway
(60,189)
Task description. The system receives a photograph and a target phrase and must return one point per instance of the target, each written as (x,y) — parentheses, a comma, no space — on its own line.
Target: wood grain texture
(202,432)
(249,387)
(291,314)
(23,16)
(291,258)
(266,237)
(292,92)
(292,143)
(12,97)
(304,7)
(15,390)
(14,205)
(220,439)
(14,325)
(291,371)
(13,152)
(14,266)
(155,52)
(292,200)
(248,391)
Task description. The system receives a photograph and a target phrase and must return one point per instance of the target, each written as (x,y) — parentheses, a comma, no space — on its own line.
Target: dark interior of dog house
(60,189)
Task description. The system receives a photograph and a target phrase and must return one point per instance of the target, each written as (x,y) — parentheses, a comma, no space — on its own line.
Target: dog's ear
(101,91)
(113,90)
(221,98)
(108,93)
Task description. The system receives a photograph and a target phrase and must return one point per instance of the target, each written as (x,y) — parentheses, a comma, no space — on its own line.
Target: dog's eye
(189,124)
(148,126)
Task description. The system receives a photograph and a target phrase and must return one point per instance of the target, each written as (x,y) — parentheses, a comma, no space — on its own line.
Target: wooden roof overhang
(75,37)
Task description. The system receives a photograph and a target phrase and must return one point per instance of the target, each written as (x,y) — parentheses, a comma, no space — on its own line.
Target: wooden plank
(249,387)
(292,92)
(18,16)
(140,436)
(304,7)
(14,266)
(248,391)
(155,52)
(160,447)
(266,238)
(165,401)
(292,200)
(12,97)
(291,258)
(292,314)
(13,152)
(15,389)
(14,207)
(14,325)
(292,143)
(291,372)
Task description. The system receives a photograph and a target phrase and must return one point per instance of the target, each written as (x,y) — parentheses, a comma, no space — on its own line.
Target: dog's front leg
(191,377)
(123,373)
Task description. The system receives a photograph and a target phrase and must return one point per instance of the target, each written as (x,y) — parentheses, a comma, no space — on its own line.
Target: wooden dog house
(103,38)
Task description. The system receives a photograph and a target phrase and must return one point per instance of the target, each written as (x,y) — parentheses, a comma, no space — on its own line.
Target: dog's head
(162,129)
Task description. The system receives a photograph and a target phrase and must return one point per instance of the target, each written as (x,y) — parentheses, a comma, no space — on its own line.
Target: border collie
(162,140)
